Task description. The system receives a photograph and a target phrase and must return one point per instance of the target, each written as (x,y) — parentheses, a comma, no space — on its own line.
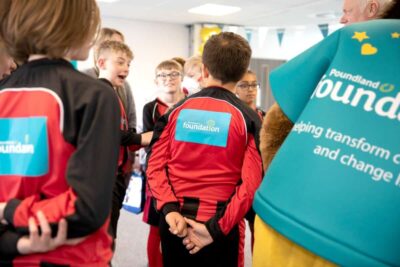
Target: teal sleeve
(293,83)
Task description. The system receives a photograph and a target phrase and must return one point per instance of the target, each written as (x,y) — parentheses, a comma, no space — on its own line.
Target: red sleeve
(241,201)
(157,177)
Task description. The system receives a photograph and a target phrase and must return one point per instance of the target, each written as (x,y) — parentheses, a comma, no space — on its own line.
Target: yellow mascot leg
(271,249)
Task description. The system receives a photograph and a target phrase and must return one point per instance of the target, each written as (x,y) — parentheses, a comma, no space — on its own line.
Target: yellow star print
(360,36)
(395,35)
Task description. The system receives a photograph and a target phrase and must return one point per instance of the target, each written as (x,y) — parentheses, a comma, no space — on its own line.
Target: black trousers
(120,186)
(220,253)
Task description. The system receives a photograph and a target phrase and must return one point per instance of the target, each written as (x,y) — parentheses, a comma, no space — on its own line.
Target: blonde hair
(169,64)
(47,27)
(192,62)
(113,46)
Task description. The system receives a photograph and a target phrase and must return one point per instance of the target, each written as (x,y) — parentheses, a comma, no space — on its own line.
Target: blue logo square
(24,146)
(203,127)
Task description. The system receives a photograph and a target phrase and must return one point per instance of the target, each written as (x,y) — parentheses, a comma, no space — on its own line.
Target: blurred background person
(192,78)
(247,90)
(362,10)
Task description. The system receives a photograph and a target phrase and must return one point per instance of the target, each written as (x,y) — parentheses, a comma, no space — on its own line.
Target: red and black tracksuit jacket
(130,140)
(152,111)
(209,183)
(82,123)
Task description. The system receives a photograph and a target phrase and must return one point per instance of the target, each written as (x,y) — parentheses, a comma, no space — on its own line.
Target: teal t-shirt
(334,185)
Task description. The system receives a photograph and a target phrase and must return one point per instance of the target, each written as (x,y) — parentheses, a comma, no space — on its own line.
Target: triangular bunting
(280,32)
(324,28)
(249,34)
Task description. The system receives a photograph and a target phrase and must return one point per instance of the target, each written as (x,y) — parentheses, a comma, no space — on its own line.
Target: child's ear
(204,71)
(100,63)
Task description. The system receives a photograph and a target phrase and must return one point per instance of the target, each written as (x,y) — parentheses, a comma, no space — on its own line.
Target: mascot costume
(331,195)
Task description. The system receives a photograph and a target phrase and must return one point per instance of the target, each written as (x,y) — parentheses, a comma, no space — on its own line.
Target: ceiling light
(107,1)
(214,10)
(327,15)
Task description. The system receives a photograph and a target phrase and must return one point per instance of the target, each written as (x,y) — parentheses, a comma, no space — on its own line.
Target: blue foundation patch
(203,127)
(24,146)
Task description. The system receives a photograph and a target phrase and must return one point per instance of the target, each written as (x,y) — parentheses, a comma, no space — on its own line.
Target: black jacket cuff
(214,229)
(8,243)
(170,207)
(130,137)
(9,210)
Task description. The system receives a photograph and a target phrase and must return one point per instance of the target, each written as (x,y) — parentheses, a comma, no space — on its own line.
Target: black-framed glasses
(247,86)
(172,75)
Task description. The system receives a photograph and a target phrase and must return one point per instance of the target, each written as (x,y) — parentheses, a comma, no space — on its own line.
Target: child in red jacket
(58,156)
(204,165)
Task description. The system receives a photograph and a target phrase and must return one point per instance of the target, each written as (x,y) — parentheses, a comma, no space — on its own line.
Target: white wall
(151,43)
(294,41)
(264,41)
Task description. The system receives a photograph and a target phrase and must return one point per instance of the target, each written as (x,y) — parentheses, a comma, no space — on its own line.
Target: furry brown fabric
(275,127)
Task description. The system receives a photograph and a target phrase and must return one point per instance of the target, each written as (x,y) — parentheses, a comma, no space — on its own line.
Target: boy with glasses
(168,78)
(247,89)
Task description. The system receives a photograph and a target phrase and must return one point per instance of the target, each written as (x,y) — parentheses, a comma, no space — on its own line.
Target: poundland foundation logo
(16,147)
(203,127)
(209,127)
(24,148)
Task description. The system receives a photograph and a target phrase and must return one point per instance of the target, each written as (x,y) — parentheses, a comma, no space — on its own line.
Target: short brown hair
(169,64)
(393,10)
(2,48)
(180,60)
(47,27)
(227,56)
(114,46)
(106,34)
